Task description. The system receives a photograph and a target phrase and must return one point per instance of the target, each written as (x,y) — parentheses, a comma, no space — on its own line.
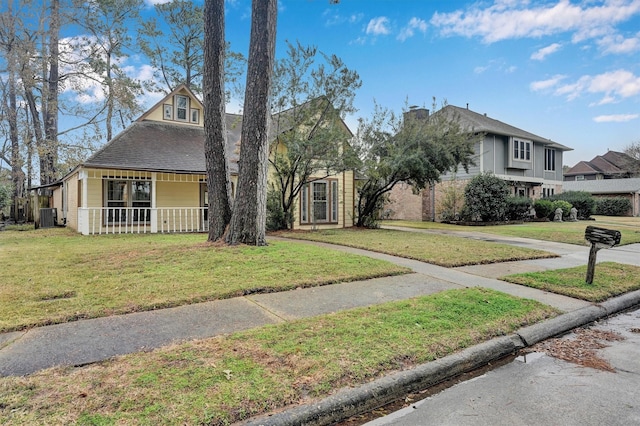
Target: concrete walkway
(87,341)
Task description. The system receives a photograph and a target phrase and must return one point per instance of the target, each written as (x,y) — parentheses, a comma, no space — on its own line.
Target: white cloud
(617,44)
(497,65)
(518,19)
(613,86)
(546,84)
(415,24)
(378,26)
(333,18)
(615,118)
(540,54)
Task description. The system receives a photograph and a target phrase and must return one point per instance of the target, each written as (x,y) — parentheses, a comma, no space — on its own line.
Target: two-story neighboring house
(531,164)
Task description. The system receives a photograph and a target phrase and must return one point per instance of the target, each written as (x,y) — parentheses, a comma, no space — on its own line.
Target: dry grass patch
(53,276)
(611,279)
(223,380)
(443,250)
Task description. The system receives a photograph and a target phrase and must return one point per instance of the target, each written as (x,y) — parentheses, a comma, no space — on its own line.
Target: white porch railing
(182,219)
(139,220)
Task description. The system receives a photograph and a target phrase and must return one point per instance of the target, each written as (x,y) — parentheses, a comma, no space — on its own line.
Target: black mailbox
(602,237)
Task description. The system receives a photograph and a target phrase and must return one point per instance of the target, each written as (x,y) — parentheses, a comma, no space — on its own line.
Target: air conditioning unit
(48,218)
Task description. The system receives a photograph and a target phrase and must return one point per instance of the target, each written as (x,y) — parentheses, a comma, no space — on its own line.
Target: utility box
(48,218)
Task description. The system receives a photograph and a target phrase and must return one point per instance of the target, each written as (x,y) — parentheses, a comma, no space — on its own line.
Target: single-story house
(601,188)
(152,178)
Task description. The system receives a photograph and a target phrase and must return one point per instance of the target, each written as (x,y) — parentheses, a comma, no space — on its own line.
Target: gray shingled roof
(164,147)
(482,124)
(604,186)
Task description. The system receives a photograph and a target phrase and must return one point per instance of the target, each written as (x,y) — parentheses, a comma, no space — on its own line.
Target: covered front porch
(134,201)
(132,220)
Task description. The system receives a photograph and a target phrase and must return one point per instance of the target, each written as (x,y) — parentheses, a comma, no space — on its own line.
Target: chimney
(416,113)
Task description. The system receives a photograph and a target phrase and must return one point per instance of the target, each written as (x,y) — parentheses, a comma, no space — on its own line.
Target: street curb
(350,402)
(561,324)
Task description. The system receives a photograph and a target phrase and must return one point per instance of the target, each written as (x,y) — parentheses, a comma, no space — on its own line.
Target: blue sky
(565,70)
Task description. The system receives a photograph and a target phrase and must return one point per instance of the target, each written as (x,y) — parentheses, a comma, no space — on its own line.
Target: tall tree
(633,151)
(412,148)
(49,150)
(218,184)
(9,44)
(312,93)
(176,50)
(107,22)
(249,210)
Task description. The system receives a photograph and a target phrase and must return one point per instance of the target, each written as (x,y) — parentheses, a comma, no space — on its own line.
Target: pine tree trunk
(49,155)
(218,185)
(248,220)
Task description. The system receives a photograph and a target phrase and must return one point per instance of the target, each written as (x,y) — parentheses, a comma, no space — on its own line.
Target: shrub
(616,206)
(564,205)
(518,208)
(486,197)
(544,208)
(581,200)
(452,202)
(276,218)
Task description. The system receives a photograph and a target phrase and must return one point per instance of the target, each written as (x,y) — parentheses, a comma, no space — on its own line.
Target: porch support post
(83,211)
(154,209)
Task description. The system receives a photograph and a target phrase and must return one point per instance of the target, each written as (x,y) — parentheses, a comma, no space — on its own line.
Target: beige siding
(72,201)
(94,193)
(349,200)
(177,194)
(345,205)
(57,204)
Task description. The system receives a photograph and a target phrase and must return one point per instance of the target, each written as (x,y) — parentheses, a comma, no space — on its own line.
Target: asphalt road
(542,390)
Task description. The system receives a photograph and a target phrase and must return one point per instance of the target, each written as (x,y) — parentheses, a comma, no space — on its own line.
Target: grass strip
(443,250)
(53,276)
(610,279)
(561,232)
(223,380)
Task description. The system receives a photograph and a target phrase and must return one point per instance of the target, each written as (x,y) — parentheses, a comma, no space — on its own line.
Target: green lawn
(443,250)
(227,379)
(53,275)
(564,232)
(610,279)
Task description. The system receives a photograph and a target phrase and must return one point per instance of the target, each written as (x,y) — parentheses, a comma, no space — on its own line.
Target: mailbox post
(599,238)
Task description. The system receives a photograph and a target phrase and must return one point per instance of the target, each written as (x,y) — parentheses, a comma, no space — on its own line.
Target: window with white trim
(319,202)
(127,201)
(195,115)
(549,159)
(521,150)
(181,106)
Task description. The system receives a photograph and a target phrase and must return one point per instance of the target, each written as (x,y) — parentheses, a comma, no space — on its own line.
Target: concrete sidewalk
(87,341)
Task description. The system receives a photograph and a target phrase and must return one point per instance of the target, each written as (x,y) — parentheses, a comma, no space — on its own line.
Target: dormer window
(195,116)
(181,106)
